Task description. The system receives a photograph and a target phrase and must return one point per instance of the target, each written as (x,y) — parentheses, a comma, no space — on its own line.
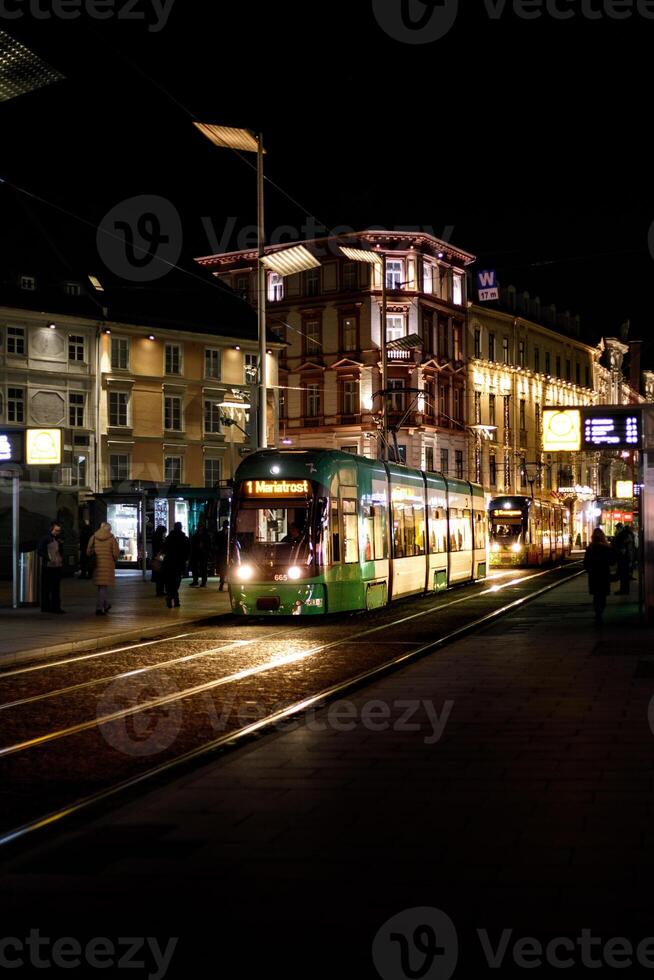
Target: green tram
(318,531)
(526,531)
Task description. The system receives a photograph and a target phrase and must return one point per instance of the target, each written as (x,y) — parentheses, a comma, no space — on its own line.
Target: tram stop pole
(647,512)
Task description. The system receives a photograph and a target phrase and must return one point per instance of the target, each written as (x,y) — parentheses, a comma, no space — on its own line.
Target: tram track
(328,680)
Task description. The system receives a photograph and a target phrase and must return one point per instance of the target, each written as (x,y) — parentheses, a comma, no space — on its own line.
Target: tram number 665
(281,578)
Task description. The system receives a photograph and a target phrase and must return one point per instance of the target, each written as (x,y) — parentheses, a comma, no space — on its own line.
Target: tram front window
(272,533)
(506,535)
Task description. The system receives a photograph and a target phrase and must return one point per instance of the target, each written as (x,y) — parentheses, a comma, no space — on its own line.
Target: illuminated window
(457,289)
(275,287)
(251,367)
(349,332)
(395,327)
(427,277)
(394,273)
(350,532)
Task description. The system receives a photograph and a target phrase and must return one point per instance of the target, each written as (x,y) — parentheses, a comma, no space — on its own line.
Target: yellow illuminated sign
(43,447)
(561,430)
(276,488)
(624,489)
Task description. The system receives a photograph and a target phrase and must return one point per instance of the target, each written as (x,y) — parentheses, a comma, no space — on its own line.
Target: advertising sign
(43,447)
(561,430)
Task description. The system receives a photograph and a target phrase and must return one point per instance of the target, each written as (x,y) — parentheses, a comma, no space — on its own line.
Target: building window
(312,282)
(558,365)
(456,342)
(172,413)
(457,408)
(118,466)
(349,333)
(172,469)
(173,359)
(396,396)
(537,360)
(275,287)
(568,370)
(350,397)
(491,410)
(16,340)
(505,350)
(350,277)
(492,469)
(75,348)
(394,273)
(443,403)
(251,368)
(457,289)
(577,373)
(477,342)
(427,277)
(120,353)
(523,472)
(521,353)
(76,410)
(587,376)
(548,362)
(211,472)
(79,471)
(243,287)
(212,363)
(72,289)
(477,408)
(429,459)
(491,347)
(313,401)
(523,415)
(458,463)
(395,327)
(312,340)
(445,461)
(28,283)
(118,408)
(15,405)
(353,450)
(212,412)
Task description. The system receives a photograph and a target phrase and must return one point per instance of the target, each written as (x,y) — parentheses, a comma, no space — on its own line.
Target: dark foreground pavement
(505,781)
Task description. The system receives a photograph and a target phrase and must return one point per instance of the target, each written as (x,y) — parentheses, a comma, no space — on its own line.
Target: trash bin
(29,578)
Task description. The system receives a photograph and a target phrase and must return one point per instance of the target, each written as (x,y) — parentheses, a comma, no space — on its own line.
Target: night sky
(528,137)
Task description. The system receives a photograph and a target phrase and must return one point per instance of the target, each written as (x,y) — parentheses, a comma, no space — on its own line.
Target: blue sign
(487,285)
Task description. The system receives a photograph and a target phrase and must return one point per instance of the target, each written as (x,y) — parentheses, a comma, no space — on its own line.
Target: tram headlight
(245,572)
(294,573)
(516,548)
(495,547)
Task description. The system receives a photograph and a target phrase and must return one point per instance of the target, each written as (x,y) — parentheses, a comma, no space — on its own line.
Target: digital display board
(276,488)
(11,446)
(611,429)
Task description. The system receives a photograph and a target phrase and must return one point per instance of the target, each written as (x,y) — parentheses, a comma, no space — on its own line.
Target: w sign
(487,285)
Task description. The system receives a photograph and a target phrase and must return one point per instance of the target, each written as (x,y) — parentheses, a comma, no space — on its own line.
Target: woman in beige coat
(104,547)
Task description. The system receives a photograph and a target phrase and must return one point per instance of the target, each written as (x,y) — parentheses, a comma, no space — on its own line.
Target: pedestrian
(51,550)
(200,547)
(175,551)
(598,560)
(84,538)
(222,544)
(158,539)
(106,551)
(624,546)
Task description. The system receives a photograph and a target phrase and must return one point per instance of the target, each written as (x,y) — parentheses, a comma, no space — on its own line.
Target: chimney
(634,364)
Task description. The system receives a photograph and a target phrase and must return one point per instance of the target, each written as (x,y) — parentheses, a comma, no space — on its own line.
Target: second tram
(525,531)
(321,531)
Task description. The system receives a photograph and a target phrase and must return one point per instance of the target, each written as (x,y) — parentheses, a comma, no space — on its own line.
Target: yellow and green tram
(320,531)
(526,531)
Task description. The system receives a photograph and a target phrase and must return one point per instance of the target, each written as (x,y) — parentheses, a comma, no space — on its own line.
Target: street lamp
(378,259)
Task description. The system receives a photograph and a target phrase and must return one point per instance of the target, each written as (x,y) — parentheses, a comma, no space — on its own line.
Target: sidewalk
(136,612)
(533,811)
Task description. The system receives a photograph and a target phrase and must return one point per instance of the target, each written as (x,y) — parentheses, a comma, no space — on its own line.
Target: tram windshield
(506,531)
(272,531)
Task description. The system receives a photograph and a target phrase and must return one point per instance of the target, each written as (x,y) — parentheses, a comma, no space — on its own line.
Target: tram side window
(350,532)
(374,522)
(480,531)
(336,537)
(408,531)
(437,530)
(460,536)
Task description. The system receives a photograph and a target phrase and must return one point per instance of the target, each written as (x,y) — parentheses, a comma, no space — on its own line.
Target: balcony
(405,356)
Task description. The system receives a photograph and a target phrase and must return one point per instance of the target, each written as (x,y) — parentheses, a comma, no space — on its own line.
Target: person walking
(51,550)
(84,538)
(624,546)
(106,550)
(200,547)
(175,551)
(222,545)
(598,559)
(158,539)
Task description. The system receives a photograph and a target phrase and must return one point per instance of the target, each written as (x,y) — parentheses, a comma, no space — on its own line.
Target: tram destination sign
(611,428)
(276,488)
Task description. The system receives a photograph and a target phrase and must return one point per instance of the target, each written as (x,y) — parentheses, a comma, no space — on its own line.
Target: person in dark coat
(158,539)
(84,538)
(624,548)
(51,550)
(598,560)
(200,548)
(222,543)
(175,551)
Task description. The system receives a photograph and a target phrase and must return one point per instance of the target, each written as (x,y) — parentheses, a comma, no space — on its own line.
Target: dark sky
(529,137)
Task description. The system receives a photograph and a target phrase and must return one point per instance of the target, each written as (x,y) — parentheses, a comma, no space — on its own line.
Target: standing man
(175,551)
(51,550)
(200,546)
(624,546)
(84,538)
(222,543)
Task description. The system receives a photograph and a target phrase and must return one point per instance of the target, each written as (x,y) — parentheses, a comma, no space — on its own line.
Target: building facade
(329,319)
